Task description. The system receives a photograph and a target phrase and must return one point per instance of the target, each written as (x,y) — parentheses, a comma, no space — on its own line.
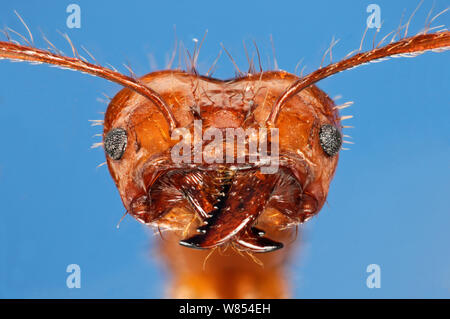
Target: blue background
(388,204)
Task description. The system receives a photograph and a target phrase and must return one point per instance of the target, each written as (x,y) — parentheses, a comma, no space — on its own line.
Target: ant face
(221,180)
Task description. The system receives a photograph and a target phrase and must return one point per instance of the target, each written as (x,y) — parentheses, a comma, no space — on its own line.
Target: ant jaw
(254,241)
(251,239)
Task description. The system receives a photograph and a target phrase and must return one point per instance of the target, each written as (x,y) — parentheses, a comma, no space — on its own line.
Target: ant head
(139,145)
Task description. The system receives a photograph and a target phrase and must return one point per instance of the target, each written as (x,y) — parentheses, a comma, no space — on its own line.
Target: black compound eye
(115,143)
(330,139)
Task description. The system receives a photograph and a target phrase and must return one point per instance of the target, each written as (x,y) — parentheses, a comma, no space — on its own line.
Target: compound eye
(330,139)
(115,143)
